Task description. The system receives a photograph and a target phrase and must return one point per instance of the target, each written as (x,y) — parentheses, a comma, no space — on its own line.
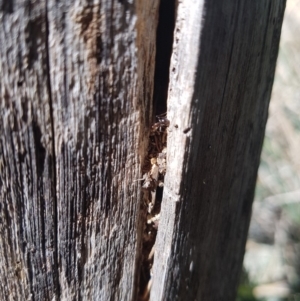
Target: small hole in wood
(186,130)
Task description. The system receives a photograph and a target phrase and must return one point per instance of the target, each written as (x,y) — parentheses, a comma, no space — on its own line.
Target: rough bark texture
(76,88)
(221,78)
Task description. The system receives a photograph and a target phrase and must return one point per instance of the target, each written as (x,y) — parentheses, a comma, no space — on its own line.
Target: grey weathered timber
(75,99)
(221,76)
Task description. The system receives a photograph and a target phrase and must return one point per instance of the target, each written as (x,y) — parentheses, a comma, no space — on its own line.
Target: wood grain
(221,76)
(76,103)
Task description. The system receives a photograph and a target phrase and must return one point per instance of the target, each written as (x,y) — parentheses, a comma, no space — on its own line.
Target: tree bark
(221,77)
(77,82)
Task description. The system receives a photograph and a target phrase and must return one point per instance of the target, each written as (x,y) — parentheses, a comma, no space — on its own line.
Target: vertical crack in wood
(154,170)
(164,42)
(154,167)
(55,205)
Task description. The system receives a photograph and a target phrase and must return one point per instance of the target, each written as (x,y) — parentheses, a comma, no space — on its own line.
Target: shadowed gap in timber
(164,43)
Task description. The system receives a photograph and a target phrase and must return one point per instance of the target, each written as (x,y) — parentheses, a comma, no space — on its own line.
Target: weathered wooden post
(76,101)
(76,88)
(221,76)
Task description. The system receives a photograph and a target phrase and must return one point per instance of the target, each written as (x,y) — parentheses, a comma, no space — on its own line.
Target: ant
(163,122)
(158,133)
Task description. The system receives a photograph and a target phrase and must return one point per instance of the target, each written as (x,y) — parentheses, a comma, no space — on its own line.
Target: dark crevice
(164,42)
(7,6)
(155,163)
(53,165)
